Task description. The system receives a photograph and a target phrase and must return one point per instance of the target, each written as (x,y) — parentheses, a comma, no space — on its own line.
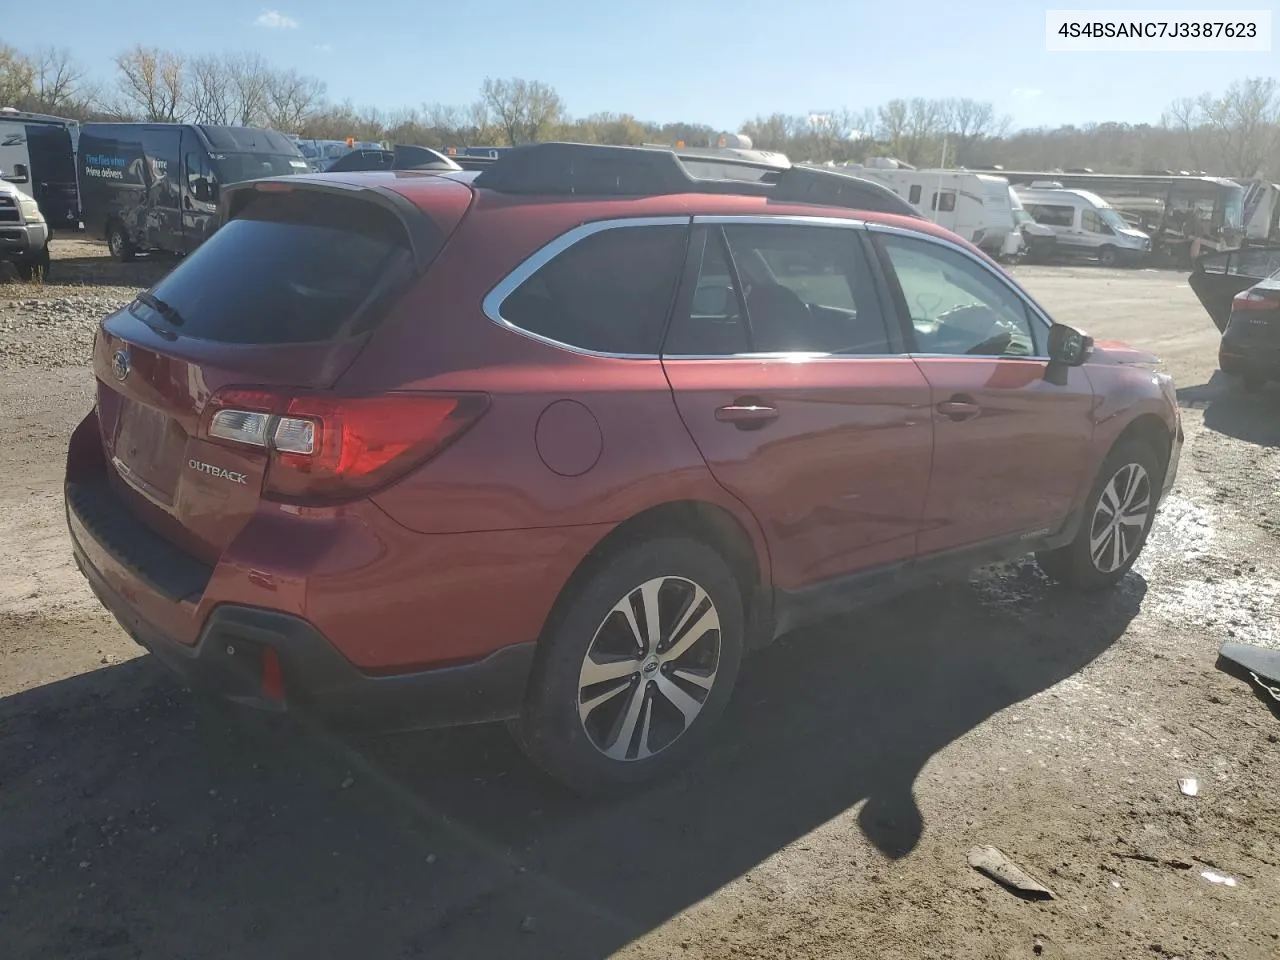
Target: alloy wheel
(649,669)
(1120,518)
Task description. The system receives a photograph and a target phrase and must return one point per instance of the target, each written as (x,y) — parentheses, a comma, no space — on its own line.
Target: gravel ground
(860,761)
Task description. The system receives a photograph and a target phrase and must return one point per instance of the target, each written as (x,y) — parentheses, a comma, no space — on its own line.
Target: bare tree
(209,94)
(251,79)
(526,110)
(967,123)
(17,76)
(59,83)
(152,83)
(290,97)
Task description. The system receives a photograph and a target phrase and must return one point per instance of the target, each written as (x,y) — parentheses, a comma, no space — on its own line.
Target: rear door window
(291,268)
(610,292)
(807,289)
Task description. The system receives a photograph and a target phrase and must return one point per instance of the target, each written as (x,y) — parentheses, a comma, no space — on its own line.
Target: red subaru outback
(558,442)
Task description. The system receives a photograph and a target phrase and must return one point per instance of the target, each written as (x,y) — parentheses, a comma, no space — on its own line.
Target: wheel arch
(1151,429)
(709,523)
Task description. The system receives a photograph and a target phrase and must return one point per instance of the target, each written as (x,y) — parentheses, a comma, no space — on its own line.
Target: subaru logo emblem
(120,364)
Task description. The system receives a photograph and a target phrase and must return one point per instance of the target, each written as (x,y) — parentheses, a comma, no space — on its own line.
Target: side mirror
(203,190)
(1068,347)
(19,174)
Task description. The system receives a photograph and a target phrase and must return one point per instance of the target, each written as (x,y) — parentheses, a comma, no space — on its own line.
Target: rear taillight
(1254,299)
(325,448)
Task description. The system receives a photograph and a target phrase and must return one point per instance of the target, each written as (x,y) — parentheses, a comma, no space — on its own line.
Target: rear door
(1010,449)
(799,394)
(284,295)
(53,173)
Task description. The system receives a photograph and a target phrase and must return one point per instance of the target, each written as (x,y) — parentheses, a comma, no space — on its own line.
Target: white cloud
(323,48)
(275,20)
(1026,93)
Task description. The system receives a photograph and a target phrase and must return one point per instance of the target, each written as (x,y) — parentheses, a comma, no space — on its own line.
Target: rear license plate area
(148,449)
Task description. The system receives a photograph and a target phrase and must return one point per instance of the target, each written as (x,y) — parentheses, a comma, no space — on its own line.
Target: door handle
(747,414)
(959,408)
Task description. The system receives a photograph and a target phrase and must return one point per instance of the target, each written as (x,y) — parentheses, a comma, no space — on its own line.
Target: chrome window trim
(779,220)
(491,305)
(1002,278)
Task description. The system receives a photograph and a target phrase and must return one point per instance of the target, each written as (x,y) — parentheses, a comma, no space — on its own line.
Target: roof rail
(832,188)
(594,170)
(590,169)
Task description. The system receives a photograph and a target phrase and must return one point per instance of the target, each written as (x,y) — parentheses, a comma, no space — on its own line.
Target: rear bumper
(229,660)
(1249,359)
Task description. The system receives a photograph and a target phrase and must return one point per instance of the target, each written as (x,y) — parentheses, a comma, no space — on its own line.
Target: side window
(1092,222)
(714,326)
(199,183)
(945,201)
(956,306)
(913,195)
(610,292)
(1052,215)
(807,290)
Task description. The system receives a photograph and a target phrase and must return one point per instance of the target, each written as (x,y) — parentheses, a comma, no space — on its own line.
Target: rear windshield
(291,268)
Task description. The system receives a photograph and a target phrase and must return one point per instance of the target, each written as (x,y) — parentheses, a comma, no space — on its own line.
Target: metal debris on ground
(993,863)
(1221,878)
(1190,786)
(1257,665)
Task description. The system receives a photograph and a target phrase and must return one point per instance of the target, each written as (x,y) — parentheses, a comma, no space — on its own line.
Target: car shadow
(1231,410)
(137,821)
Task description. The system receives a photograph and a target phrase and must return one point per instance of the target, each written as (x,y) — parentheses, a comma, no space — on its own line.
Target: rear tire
(612,704)
(118,242)
(1118,514)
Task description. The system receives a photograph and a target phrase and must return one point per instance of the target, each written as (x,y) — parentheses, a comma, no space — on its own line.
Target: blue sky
(714,61)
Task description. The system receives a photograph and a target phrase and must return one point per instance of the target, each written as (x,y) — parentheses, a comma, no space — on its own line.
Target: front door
(199,195)
(794,383)
(1010,448)
(162,224)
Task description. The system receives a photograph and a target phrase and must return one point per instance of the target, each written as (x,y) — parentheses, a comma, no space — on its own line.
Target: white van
(974,205)
(1085,225)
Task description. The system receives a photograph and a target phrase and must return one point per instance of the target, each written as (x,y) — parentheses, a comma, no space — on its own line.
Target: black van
(154,186)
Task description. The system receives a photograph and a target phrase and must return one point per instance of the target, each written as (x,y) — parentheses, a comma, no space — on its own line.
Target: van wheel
(1107,256)
(636,672)
(119,244)
(1118,514)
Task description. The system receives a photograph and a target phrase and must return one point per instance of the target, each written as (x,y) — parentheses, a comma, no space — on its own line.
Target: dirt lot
(859,762)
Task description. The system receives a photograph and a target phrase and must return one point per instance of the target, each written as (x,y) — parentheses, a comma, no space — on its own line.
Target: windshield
(235,167)
(1113,219)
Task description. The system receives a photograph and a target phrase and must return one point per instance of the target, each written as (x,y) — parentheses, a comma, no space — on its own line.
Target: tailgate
(281,298)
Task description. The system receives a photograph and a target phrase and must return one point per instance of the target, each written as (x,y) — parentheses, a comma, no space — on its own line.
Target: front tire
(1118,514)
(1108,257)
(633,675)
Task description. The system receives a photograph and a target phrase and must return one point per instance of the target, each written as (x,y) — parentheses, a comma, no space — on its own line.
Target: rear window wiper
(166,310)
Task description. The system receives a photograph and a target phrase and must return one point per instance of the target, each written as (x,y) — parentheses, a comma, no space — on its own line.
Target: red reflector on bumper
(272,678)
